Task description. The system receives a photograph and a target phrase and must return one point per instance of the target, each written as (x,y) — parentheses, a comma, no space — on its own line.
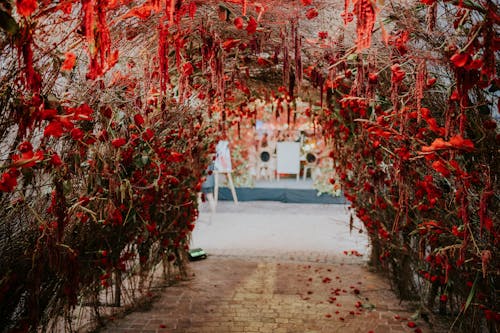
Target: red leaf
(143,12)
(69,61)
(252,26)
(229,44)
(311,13)
(26,7)
(437,144)
(460,143)
(238,23)
(441,168)
(263,62)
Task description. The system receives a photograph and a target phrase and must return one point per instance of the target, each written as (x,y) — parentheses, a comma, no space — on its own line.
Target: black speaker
(265,156)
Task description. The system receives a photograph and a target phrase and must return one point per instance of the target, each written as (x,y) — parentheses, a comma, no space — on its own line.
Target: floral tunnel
(111,110)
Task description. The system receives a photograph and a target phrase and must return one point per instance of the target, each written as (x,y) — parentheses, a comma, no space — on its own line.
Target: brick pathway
(275,268)
(252,295)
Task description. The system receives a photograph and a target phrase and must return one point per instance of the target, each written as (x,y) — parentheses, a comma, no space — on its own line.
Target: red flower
(411,324)
(397,73)
(175,157)
(459,59)
(54,128)
(77,134)
(372,77)
(8,181)
(118,142)
(83,112)
(238,23)
(55,159)
(69,61)
(443,298)
(139,120)
(441,168)
(323,34)
(151,228)
(48,114)
(26,7)
(459,142)
(25,147)
(187,69)
(306,2)
(252,26)
(148,134)
(311,13)
(28,159)
(428,2)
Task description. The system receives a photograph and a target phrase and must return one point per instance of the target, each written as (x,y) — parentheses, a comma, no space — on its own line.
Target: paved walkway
(276,268)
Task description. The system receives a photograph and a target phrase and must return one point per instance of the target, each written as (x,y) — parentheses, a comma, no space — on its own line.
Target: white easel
(223,166)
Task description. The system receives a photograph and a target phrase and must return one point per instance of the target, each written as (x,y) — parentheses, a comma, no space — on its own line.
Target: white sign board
(288,157)
(223,157)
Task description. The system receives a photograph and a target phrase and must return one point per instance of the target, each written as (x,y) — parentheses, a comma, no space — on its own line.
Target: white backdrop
(288,157)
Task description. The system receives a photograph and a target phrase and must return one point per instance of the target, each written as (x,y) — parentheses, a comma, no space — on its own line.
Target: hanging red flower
(26,7)
(69,61)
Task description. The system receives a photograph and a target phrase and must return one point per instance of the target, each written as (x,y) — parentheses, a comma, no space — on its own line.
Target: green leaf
(7,23)
(471,294)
